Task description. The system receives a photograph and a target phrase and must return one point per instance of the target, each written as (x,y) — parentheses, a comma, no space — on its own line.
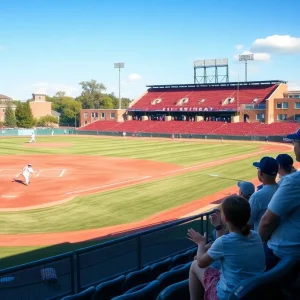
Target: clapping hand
(215,219)
(196,237)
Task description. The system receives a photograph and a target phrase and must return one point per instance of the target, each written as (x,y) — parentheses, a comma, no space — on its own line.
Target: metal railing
(25,281)
(254,106)
(91,265)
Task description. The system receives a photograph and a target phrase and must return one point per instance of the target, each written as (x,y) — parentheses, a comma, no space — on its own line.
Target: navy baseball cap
(284,160)
(267,165)
(294,136)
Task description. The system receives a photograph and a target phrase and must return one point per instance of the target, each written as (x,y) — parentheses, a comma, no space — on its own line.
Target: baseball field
(88,187)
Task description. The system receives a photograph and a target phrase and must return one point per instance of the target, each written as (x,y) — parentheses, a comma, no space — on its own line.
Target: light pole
(245,58)
(119,66)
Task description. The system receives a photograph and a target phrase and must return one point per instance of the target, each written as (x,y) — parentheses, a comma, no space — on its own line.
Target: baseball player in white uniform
(32,138)
(26,173)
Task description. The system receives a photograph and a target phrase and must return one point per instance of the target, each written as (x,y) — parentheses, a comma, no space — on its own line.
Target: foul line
(6,196)
(62,173)
(107,185)
(213,162)
(39,172)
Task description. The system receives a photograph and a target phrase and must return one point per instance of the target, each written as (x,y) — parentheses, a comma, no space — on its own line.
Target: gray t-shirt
(285,240)
(241,257)
(259,203)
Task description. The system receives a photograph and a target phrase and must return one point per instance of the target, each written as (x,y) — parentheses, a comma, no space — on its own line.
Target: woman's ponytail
(245,230)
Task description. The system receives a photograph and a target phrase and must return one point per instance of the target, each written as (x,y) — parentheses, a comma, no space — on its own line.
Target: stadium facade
(231,102)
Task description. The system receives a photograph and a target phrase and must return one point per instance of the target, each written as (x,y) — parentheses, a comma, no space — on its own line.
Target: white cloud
(53,88)
(257,56)
(239,47)
(133,77)
(277,44)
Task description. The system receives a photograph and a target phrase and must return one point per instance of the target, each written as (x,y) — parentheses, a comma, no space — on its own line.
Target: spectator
(246,189)
(232,250)
(267,172)
(281,221)
(285,166)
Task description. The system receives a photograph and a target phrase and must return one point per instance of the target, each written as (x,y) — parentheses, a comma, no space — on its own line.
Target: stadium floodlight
(119,66)
(245,58)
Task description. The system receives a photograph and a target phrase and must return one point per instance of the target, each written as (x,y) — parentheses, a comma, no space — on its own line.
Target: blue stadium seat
(87,294)
(160,267)
(193,253)
(180,259)
(137,288)
(267,285)
(150,292)
(180,266)
(174,276)
(136,278)
(176,291)
(110,289)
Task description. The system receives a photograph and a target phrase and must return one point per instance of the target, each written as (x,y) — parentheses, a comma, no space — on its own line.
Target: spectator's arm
(216,221)
(254,205)
(283,202)
(204,261)
(268,223)
(215,252)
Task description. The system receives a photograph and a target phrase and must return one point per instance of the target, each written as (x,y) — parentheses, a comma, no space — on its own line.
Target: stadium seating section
(187,127)
(168,280)
(206,97)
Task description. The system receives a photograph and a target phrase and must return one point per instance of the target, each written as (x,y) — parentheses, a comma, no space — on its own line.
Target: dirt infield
(59,178)
(88,174)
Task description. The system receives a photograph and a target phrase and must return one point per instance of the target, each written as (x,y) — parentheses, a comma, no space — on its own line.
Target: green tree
(24,115)
(124,101)
(19,113)
(47,121)
(10,118)
(91,95)
(68,108)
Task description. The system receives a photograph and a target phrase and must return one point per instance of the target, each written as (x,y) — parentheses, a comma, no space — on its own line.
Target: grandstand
(226,109)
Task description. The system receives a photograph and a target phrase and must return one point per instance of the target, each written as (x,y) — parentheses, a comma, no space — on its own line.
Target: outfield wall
(37,131)
(185,136)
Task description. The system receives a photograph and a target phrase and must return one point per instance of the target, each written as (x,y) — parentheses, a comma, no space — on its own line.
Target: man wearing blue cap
(281,221)
(246,189)
(285,166)
(267,170)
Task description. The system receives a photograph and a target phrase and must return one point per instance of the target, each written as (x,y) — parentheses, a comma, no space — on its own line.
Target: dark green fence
(89,266)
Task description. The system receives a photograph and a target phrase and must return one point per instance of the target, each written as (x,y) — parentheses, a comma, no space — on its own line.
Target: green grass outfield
(126,204)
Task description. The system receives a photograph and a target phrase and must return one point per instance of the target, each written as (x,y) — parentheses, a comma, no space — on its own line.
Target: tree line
(92,96)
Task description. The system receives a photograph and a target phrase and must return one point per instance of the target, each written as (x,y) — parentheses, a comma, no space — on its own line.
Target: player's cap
(267,165)
(284,160)
(246,187)
(294,136)
(29,165)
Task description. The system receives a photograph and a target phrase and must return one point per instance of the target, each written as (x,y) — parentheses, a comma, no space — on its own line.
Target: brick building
(4,102)
(88,116)
(39,106)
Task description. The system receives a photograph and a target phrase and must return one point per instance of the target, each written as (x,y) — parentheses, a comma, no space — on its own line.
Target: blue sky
(52,45)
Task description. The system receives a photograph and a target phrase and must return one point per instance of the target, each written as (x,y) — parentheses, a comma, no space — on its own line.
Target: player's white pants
(26,177)
(32,140)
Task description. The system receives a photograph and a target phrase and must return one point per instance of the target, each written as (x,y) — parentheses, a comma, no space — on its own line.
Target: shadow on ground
(52,250)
